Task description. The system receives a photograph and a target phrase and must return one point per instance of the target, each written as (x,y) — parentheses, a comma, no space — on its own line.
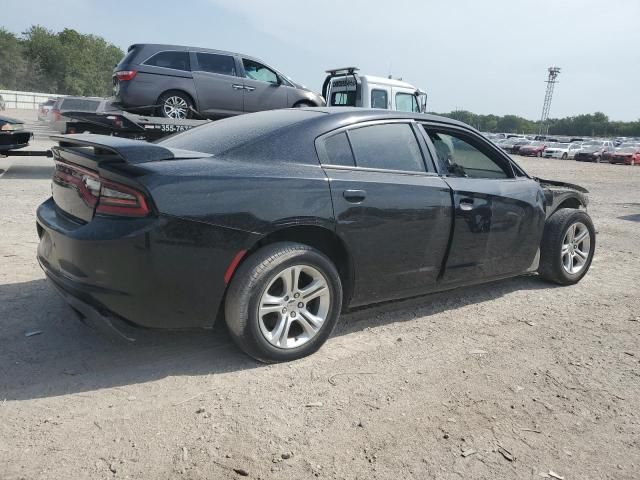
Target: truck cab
(344,87)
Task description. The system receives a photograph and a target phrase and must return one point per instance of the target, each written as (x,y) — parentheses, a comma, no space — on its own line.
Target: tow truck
(345,87)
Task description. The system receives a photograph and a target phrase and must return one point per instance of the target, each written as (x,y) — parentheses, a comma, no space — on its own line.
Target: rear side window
(174,60)
(391,146)
(343,99)
(214,63)
(378,99)
(335,150)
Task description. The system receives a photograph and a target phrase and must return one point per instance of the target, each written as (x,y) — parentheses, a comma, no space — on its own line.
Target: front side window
(343,99)
(457,157)
(257,71)
(214,63)
(174,60)
(406,102)
(378,98)
(390,146)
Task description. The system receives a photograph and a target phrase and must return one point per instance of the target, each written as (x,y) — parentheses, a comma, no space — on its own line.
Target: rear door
(263,88)
(219,87)
(391,208)
(499,211)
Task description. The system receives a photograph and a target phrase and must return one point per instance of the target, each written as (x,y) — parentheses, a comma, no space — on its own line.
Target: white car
(562,150)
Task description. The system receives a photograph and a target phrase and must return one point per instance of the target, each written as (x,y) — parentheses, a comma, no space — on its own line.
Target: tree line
(590,124)
(65,63)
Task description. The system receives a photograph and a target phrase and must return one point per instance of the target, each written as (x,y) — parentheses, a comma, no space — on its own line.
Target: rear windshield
(128,58)
(223,135)
(79,104)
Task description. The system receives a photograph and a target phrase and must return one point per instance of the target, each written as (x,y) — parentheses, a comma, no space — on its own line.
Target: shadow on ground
(70,357)
(28,172)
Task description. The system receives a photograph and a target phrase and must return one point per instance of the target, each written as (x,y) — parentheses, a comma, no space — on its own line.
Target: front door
(263,89)
(499,213)
(393,212)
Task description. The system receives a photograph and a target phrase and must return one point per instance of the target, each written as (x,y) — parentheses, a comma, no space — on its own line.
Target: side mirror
(277,83)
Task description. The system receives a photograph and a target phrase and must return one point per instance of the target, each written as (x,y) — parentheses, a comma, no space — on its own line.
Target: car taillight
(108,197)
(124,75)
(118,199)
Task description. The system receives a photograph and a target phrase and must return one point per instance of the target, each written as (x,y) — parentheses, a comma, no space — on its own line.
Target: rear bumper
(159,272)
(14,140)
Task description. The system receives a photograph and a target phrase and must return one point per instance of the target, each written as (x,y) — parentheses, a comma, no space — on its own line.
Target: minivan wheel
(567,248)
(175,104)
(283,302)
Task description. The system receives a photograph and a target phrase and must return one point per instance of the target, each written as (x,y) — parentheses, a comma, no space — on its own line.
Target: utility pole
(546,106)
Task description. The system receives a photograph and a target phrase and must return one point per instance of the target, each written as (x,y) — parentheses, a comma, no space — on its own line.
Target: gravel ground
(515,379)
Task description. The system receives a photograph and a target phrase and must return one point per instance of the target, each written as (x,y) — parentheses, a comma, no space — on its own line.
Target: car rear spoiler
(110,148)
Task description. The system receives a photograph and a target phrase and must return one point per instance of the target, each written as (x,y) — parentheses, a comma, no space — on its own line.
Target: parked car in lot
(563,151)
(178,82)
(628,154)
(513,144)
(593,151)
(45,108)
(61,123)
(533,149)
(12,134)
(281,219)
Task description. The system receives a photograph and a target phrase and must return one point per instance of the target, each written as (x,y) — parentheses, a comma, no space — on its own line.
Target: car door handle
(466,204)
(354,196)
(249,89)
(237,87)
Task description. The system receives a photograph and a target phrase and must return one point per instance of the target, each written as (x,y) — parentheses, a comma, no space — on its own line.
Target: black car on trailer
(282,219)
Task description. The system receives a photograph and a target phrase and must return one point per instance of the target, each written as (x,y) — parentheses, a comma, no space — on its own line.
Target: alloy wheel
(575,248)
(294,306)
(175,107)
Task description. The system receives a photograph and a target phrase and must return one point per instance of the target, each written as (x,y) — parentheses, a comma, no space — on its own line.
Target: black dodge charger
(279,220)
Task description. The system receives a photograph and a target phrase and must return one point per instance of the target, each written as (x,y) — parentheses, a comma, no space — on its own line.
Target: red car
(627,155)
(534,149)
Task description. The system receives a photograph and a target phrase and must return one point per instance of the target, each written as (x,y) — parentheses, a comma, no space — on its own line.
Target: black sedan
(279,220)
(12,134)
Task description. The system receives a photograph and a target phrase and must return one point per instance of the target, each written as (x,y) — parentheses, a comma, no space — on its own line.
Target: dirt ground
(515,379)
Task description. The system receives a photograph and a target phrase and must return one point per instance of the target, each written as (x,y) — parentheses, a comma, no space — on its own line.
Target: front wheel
(564,156)
(567,248)
(283,302)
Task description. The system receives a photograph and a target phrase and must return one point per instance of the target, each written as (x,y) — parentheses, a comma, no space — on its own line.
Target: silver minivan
(184,82)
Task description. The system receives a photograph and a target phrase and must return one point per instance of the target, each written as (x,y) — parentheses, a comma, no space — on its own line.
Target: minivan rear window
(170,59)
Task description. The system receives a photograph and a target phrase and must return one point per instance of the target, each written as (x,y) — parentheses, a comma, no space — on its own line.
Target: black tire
(163,109)
(551,266)
(564,156)
(539,154)
(250,282)
(303,105)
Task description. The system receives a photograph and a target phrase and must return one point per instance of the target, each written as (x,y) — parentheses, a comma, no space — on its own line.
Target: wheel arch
(323,240)
(309,103)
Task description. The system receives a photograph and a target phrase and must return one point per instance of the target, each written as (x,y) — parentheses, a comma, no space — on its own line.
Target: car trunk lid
(96,174)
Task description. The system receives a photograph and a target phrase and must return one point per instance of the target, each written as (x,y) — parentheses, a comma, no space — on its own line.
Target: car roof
(357,114)
(157,47)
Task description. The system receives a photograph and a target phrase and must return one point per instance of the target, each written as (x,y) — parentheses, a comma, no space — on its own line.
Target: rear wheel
(283,302)
(175,104)
(303,105)
(564,156)
(567,247)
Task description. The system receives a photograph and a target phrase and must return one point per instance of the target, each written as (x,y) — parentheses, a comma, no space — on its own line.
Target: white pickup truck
(344,87)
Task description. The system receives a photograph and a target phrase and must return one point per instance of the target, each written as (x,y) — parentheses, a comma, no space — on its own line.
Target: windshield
(343,99)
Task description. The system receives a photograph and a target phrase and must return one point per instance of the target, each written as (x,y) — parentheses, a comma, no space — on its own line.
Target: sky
(487,56)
